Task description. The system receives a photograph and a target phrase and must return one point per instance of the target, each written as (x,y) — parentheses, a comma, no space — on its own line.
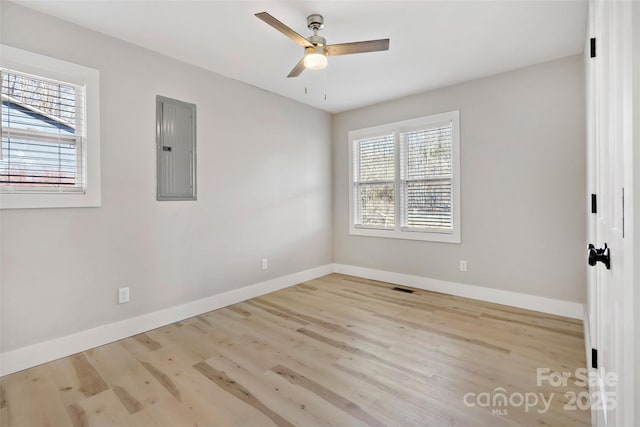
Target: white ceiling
(433,43)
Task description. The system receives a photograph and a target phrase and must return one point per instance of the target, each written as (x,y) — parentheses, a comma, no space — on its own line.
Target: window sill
(44,201)
(406,235)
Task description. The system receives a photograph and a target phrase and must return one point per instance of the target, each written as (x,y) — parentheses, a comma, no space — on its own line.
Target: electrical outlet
(265,263)
(463,265)
(123,295)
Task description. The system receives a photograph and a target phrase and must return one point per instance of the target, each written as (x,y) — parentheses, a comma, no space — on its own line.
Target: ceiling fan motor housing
(315,22)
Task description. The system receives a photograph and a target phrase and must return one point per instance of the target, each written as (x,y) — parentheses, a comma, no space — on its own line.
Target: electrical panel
(176,149)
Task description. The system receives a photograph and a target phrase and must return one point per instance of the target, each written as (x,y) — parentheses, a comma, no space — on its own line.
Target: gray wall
(264,190)
(522,177)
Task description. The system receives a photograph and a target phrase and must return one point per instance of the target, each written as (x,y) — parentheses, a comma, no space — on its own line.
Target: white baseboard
(531,302)
(37,354)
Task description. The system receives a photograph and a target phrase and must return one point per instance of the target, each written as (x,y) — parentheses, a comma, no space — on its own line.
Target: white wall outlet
(123,295)
(463,265)
(265,263)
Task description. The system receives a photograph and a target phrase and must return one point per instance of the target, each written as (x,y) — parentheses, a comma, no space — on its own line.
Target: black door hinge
(592,49)
(594,204)
(594,358)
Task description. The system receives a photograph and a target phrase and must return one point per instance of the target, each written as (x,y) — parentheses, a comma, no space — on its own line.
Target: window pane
(41,105)
(42,130)
(32,162)
(429,204)
(376,205)
(428,153)
(376,159)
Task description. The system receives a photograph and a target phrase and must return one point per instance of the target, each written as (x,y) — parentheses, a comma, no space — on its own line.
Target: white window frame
(399,232)
(89,78)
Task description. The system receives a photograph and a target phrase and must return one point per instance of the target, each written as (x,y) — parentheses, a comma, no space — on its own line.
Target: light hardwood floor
(338,350)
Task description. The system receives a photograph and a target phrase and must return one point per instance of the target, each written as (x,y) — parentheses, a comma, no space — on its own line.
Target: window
(50,132)
(405,179)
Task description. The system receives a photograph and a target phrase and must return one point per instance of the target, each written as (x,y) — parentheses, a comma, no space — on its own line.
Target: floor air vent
(405,290)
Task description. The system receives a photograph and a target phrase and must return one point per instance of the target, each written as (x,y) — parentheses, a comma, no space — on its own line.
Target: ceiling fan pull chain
(325,83)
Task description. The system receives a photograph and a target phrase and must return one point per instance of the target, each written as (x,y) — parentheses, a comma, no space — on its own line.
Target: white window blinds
(374,181)
(43,131)
(426,178)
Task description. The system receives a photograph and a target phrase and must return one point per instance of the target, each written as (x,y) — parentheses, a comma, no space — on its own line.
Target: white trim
(430,236)
(586,330)
(558,307)
(395,128)
(634,255)
(89,78)
(36,354)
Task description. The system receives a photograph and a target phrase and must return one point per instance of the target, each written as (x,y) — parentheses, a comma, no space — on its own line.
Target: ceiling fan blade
(284,29)
(299,68)
(357,47)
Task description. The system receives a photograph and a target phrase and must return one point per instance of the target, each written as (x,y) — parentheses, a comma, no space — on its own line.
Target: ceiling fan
(316,49)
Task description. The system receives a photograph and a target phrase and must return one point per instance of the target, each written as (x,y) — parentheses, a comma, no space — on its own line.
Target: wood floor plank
(91,383)
(298,405)
(32,399)
(129,402)
(147,341)
(442,408)
(316,365)
(3,398)
(136,386)
(167,413)
(330,326)
(202,401)
(360,321)
(103,409)
(362,353)
(237,390)
(443,332)
(163,379)
(331,396)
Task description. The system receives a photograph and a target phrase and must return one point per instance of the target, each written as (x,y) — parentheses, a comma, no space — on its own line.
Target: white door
(611,134)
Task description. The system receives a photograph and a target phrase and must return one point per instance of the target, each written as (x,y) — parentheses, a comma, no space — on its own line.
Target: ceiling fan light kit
(316,49)
(315,58)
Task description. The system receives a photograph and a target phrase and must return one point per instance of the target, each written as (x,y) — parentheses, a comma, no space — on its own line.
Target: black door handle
(601,255)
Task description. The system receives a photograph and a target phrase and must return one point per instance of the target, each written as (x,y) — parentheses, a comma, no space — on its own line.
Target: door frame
(635,217)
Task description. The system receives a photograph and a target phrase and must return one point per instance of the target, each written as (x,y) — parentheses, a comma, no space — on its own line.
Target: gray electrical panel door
(176,149)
